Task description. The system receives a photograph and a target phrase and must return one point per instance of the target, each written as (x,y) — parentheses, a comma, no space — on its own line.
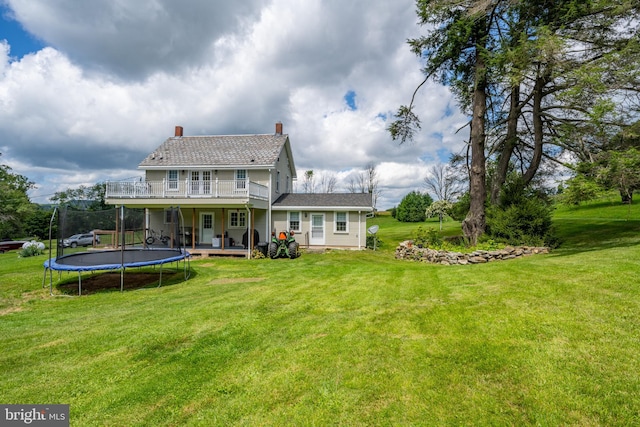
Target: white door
(206,227)
(317,229)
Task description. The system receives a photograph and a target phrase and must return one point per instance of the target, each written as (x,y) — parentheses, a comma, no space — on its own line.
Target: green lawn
(344,338)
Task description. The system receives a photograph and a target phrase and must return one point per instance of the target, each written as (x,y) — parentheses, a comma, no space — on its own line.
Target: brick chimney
(278,128)
(178,130)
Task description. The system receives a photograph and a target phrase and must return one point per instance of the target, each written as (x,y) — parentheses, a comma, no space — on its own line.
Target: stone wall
(406,250)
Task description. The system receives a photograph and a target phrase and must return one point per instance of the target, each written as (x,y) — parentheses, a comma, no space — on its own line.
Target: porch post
(253,227)
(222,238)
(146,227)
(249,231)
(117,238)
(193,228)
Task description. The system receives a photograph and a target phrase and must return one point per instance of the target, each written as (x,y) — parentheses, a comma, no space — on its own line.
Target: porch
(165,189)
(206,251)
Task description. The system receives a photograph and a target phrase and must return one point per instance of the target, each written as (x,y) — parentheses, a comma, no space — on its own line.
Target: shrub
(413,206)
(257,254)
(31,248)
(579,189)
(525,219)
(428,237)
(370,242)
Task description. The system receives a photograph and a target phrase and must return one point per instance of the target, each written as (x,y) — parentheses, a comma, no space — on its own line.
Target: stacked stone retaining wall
(407,250)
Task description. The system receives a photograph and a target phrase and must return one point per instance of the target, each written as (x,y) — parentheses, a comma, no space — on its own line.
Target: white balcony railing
(164,189)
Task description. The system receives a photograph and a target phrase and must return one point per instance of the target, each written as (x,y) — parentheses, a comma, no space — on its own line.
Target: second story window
(172,180)
(278,182)
(241,179)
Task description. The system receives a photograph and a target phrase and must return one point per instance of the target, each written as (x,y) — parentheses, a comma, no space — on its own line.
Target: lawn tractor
(283,245)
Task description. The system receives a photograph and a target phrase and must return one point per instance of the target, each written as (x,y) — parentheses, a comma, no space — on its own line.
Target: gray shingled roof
(232,150)
(321,200)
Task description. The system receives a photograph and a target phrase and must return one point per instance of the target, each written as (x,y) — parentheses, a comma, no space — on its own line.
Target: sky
(88,89)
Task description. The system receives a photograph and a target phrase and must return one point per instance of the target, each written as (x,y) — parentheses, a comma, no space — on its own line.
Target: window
(172,180)
(167,216)
(278,182)
(241,179)
(341,222)
(294,221)
(237,219)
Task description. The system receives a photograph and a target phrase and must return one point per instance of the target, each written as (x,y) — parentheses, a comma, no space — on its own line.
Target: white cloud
(119,80)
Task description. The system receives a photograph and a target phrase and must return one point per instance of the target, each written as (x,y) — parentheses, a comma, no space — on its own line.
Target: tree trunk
(538,136)
(626,196)
(510,142)
(474,224)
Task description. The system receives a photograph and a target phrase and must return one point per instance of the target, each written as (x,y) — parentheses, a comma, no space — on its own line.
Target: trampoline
(116,260)
(119,258)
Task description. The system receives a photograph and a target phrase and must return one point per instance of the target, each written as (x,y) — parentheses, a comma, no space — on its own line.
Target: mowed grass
(344,338)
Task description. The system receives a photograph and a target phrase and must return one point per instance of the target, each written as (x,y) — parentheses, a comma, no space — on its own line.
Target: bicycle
(153,236)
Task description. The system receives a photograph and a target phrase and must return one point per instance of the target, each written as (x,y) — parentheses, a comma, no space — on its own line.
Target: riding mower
(284,245)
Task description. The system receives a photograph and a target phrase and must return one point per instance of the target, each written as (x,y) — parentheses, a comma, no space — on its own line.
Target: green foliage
(413,206)
(579,189)
(370,242)
(427,237)
(37,223)
(525,218)
(460,208)
(621,170)
(14,202)
(83,198)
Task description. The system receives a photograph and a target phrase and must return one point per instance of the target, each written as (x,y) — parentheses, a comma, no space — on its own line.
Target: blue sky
(117,77)
(21,42)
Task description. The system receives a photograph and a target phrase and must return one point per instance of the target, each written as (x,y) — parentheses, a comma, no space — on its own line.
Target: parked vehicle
(86,239)
(284,245)
(10,245)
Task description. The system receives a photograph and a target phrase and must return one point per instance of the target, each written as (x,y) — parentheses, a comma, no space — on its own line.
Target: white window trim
(299,221)
(172,185)
(335,222)
(240,214)
(241,183)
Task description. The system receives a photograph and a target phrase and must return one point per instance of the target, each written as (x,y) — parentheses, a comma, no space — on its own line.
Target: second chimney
(279,128)
(178,130)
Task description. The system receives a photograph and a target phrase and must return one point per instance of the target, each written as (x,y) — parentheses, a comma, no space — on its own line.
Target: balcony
(223,189)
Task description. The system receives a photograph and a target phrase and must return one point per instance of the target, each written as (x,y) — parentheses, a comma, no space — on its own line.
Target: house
(228,185)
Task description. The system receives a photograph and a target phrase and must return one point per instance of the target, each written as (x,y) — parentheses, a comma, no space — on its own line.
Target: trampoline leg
(122,279)
(160,282)
(79,283)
